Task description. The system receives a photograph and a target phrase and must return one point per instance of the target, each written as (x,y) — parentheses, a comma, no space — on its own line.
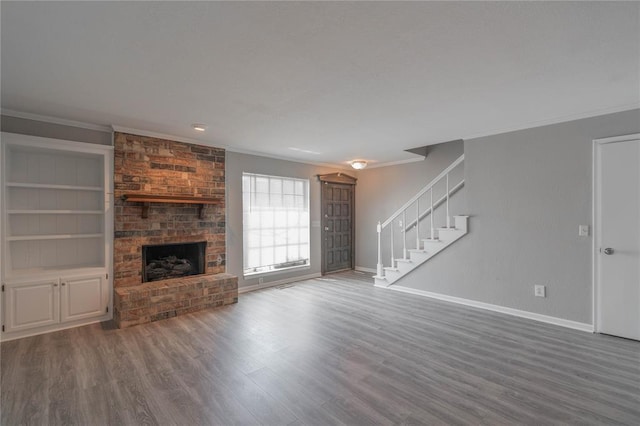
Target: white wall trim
(6,337)
(497,308)
(289,270)
(246,289)
(395,163)
(623,138)
(595,232)
(293,160)
(363,269)
(554,120)
(55,120)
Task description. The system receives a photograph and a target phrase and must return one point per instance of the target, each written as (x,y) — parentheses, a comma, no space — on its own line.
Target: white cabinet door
(83,297)
(31,304)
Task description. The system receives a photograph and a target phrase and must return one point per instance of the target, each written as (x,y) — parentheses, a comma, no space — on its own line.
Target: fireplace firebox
(166,261)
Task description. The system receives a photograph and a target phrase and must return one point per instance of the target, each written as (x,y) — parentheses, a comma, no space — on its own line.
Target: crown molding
(294,160)
(55,120)
(555,120)
(395,163)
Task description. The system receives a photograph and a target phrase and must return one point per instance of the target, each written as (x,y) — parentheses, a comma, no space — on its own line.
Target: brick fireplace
(179,175)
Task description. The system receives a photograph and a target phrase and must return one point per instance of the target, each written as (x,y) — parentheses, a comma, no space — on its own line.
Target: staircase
(416,221)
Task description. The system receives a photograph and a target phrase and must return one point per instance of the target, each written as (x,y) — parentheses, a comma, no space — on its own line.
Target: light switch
(583,230)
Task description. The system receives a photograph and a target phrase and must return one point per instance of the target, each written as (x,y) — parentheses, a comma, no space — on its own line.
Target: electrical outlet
(260,280)
(400,223)
(540,291)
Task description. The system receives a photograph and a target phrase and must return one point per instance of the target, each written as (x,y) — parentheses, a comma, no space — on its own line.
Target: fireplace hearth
(167,261)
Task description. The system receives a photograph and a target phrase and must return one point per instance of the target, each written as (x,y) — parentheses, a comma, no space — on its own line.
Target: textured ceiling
(321,82)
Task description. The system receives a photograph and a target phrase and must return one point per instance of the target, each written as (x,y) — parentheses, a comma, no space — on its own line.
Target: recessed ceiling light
(199,127)
(358,164)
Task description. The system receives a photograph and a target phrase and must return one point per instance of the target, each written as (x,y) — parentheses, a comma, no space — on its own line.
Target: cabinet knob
(64,284)
(55,284)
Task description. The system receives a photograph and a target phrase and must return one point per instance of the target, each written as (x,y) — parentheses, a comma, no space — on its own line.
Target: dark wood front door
(337,226)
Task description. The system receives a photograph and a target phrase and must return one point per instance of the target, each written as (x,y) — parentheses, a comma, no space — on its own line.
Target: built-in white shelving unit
(56,228)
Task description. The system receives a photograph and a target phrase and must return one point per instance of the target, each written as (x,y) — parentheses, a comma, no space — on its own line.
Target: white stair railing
(429,211)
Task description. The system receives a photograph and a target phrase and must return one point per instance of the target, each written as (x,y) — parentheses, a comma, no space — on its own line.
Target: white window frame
(276,224)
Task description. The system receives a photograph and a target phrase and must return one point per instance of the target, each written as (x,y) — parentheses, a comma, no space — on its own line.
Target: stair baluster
(431,214)
(417,224)
(404,235)
(379,266)
(448,217)
(393,261)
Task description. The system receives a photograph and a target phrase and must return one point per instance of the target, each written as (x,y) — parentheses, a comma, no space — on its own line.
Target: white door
(617,198)
(31,304)
(82,297)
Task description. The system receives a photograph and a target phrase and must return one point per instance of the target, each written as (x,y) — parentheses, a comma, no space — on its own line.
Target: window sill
(277,271)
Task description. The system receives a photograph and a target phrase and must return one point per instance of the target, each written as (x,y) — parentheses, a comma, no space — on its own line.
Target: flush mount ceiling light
(199,127)
(358,164)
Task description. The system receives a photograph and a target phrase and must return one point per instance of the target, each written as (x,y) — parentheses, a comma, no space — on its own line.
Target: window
(275,222)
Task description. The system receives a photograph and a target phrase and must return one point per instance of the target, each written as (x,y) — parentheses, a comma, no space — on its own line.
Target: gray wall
(527,192)
(235,165)
(381,191)
(55,131)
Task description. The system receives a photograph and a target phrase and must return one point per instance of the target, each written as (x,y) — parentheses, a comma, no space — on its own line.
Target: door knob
(608,251)
(326,228)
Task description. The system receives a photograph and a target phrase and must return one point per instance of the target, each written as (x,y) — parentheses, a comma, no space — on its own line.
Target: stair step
(445,236)
(431,241)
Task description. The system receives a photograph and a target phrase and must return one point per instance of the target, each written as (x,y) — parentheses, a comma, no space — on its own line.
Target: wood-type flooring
(327,351)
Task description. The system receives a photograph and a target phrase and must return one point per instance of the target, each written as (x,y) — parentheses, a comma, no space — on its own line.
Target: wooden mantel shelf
(180,199)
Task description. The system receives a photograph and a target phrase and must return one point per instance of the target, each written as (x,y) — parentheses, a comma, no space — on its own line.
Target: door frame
(595,212)
(342,179)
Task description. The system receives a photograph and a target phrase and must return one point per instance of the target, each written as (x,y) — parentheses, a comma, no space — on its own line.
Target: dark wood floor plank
(302,400)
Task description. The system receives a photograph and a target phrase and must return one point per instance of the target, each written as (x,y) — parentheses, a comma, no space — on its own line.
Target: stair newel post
(448,217)
(418,224)
(404,234)
(379,265)
(431,213)
(393,262)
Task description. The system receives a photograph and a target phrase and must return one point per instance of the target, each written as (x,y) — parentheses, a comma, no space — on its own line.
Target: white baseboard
(6,337)
(497,308)
(278,282)
(363,269)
